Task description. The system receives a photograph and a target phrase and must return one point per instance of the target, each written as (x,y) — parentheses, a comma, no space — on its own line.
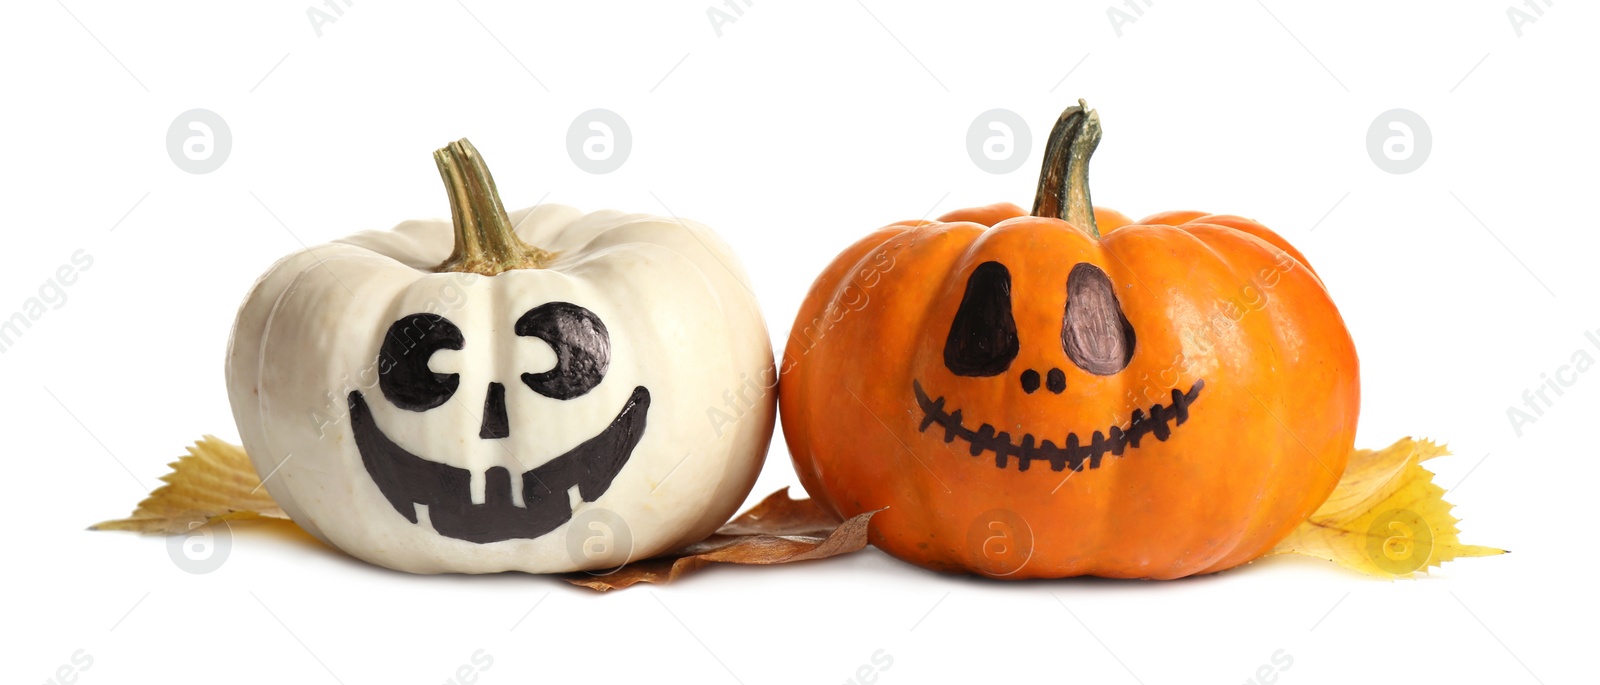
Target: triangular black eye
(1095,333)
(983,337)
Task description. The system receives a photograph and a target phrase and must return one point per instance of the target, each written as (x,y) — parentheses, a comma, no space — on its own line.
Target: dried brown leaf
(779,530)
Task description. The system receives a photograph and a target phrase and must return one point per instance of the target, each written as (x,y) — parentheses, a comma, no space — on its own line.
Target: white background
(798,129)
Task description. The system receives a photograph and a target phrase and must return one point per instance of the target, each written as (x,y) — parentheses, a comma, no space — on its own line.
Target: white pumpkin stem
(1063,190)
(486,243)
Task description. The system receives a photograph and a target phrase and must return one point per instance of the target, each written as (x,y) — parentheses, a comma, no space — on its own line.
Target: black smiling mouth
(407,480)
(1074,454)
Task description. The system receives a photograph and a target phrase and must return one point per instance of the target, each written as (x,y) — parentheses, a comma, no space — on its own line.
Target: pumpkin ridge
(1316,289)
(1239,535)
(1222,240)
(927,235)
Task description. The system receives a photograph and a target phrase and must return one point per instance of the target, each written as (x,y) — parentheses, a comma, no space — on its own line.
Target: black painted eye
(407,381)
(1095,333)
(983,336)
(581,343)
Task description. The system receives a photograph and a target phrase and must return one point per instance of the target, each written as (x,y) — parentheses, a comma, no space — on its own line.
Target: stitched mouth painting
(1074,452)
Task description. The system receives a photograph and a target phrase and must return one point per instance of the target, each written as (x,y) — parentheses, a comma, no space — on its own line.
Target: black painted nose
(1055,381)
(495,424)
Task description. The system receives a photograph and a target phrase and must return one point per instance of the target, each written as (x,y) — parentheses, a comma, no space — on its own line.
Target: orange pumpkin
(1069,392)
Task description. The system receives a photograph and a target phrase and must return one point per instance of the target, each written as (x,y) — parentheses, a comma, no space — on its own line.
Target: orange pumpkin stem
(1063,190)
(486,243)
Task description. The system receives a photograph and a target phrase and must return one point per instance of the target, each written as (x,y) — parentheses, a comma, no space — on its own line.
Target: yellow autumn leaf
(1386,517)
(214,482)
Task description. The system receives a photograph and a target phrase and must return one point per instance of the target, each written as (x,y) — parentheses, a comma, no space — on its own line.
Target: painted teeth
(1075,455)
(497,486)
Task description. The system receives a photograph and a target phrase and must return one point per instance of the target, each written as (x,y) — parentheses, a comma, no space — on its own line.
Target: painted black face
(583,354)
(1095,336)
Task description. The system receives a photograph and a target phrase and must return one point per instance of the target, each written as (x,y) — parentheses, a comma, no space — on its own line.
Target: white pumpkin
(443,397)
